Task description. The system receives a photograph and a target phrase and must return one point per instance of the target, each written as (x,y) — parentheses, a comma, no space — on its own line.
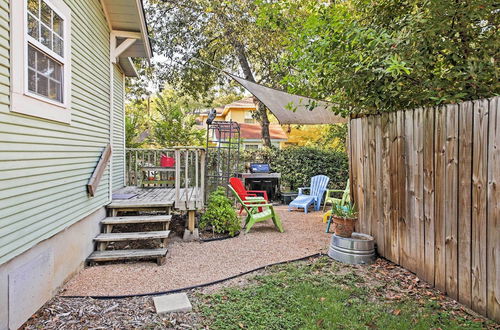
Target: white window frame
(22,100)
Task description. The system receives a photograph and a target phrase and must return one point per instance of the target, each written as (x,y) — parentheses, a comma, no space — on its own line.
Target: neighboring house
(62,70)
(251,136)
(241,112)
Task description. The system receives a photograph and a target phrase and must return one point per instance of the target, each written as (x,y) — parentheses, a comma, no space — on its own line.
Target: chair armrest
(263,192)
(253,201)
(303,188)
(258,205)
(329,192)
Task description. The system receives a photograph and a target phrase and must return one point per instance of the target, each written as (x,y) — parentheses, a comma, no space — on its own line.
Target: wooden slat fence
(427,186)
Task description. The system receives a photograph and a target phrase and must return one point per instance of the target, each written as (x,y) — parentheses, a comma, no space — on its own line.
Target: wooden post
(191,220)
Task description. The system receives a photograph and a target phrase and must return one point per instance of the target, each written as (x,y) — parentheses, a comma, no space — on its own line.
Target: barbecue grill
(261,177)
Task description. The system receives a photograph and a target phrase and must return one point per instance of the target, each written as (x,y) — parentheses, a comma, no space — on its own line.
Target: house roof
(244,103)
(127,19)
(253,132)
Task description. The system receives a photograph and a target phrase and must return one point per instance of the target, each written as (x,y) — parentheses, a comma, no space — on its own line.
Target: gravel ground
(193,263)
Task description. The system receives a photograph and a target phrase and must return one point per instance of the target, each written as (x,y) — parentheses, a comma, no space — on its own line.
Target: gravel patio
(195,263)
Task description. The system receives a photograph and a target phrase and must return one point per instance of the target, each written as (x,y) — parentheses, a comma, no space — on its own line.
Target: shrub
(220,214)
(298,164)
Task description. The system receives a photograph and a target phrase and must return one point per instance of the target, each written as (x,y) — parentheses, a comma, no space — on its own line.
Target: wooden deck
(188,199)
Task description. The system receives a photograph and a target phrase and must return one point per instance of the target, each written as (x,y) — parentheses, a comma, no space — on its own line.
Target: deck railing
(185,175)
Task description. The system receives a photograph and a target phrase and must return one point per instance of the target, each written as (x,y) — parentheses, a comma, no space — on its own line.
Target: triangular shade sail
(278,103)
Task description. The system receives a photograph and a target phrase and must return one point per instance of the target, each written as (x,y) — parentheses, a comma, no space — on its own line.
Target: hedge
(298,164)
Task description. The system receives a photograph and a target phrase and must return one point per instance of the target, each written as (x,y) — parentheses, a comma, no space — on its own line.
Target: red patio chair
(248,194)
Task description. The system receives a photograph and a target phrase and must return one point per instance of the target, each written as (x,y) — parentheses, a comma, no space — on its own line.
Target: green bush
(298,164)
(220,215)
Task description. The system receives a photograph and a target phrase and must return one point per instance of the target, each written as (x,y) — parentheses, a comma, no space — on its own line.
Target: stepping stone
(177,302)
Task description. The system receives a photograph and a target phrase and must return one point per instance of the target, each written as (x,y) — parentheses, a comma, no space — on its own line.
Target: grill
(262,178)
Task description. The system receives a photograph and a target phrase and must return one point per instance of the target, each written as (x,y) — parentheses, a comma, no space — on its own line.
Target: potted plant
(344,217)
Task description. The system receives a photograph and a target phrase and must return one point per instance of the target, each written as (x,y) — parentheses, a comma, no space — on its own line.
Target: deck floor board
(154,196)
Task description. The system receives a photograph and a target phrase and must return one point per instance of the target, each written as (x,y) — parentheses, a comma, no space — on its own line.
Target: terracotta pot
(343,227)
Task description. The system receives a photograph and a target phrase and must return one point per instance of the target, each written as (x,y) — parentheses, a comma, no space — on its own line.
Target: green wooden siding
(118,131)
(45,166)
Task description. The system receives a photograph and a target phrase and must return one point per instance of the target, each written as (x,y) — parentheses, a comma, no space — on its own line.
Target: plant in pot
(220,216)
(344,217)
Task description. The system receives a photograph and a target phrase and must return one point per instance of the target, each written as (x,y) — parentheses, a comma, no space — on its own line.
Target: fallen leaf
(396,312)
(241,325)
(322,299)
(319,323)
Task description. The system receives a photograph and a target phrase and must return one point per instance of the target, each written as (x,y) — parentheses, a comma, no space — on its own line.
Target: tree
(373,56)
(136,119)
(174,121)
(220,32)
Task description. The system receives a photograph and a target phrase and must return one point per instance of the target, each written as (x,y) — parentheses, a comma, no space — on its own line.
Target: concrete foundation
(191,236)
(32,278)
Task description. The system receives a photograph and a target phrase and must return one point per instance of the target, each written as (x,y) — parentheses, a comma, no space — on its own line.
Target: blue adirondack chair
(317,189)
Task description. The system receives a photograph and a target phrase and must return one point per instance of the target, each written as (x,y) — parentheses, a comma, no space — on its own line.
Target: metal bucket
(358,249)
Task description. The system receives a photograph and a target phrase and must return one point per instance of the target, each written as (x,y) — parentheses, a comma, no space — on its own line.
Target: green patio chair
(258,211)
(346,196)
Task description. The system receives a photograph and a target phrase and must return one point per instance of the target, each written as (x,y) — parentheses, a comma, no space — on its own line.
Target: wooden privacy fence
(426,183)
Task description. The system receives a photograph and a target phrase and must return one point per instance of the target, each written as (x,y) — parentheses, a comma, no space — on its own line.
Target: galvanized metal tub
(358,249)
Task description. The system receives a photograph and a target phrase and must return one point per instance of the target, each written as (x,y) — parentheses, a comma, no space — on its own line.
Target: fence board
(379,211)
(418,181)
(393,232)
(371,180)
(385,125)
(464,203)
(493,224)
(479,198)
(428,178)
(407,230)
(451,224)
(366,209)
(361,169)
(402,232)
(440,197)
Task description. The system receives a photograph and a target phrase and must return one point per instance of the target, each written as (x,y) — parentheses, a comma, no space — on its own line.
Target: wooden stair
(123,220)
(134,236)
(112,255)
(103,240)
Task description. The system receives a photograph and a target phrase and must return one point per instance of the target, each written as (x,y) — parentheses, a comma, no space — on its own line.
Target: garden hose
(199,285)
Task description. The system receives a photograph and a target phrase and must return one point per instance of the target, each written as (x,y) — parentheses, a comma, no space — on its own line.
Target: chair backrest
(346,196)
(318,185)
(238,197)
(238,186)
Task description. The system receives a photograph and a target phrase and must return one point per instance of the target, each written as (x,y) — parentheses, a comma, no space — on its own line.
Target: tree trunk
(261,108)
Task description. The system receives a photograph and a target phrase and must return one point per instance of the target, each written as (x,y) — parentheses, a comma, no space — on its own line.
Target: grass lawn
(323,294)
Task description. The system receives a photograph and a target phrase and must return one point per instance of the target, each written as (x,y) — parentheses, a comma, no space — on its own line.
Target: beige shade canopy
(278,102)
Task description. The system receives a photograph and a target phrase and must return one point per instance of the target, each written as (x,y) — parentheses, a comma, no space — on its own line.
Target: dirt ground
(194,263)
(138,312)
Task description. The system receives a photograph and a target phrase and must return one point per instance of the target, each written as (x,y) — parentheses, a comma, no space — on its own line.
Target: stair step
(115,237)
(110,255)
(136,219)
(134,204)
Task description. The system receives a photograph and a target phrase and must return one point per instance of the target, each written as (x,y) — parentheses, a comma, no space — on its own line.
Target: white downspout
(112,46)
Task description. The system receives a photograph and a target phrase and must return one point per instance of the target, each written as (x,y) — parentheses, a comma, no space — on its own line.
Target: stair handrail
(98,172)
